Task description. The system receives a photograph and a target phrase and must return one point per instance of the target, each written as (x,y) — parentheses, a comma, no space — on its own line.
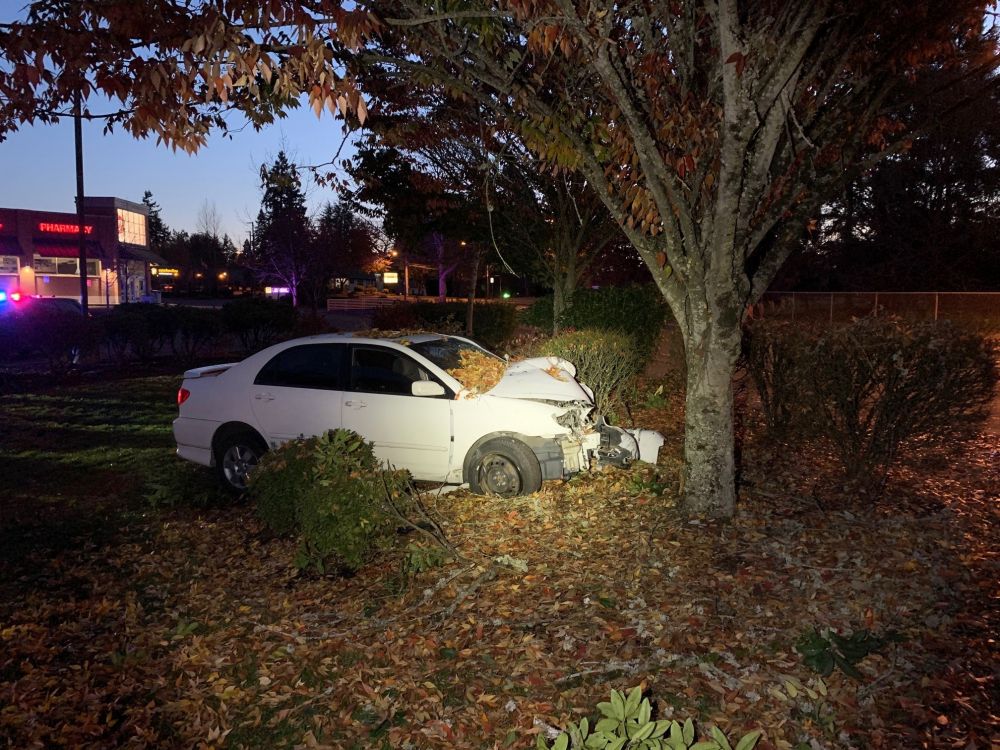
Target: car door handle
(355,404)
(264,396)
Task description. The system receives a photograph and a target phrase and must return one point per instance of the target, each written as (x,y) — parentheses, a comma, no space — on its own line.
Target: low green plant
(824,651)
(646,483)
(419,558)
(606,361)
(334,494)
(627,723)
(655,399)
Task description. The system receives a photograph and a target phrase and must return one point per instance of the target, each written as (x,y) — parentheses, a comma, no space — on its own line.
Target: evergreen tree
(346,239)
(158,234)
(283,252)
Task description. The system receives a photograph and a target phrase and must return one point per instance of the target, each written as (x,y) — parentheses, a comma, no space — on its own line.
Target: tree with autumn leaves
(712,131)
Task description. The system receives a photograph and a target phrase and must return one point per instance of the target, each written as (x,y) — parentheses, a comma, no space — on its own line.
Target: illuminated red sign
(64,228)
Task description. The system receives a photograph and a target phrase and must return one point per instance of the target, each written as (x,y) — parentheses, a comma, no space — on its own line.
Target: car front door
(408,432)
(299,392)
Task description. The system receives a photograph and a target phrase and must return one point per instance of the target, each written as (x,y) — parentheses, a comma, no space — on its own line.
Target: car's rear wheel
(237,453)
(504,466)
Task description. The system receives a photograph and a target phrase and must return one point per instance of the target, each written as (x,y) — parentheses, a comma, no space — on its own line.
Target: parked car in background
(16,303)
(536,423)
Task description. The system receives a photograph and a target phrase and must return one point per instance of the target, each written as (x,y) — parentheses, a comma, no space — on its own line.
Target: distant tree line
(286,248)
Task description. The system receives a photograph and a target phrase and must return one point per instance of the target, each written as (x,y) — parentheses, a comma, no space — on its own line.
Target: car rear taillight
(182,395)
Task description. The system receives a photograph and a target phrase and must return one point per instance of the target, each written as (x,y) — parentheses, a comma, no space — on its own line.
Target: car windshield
(446,352)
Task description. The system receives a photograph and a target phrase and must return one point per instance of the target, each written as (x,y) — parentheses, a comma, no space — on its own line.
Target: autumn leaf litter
(198,632)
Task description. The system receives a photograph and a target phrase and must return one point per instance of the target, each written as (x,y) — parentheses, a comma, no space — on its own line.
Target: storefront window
(65,266)
(9,264)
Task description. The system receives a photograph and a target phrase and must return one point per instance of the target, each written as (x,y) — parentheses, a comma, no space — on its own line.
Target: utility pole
(81,232)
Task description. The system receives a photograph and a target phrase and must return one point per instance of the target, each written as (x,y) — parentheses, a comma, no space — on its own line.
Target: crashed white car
(536,423)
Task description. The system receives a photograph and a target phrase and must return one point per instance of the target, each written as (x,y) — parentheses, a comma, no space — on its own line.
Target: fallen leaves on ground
(193,629)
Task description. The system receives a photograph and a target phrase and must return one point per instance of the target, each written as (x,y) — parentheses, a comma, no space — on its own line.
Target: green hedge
(639,311)
(493,323)
(258,323)
(636,310)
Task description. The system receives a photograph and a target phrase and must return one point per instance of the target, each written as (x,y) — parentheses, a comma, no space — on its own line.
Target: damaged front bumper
(619,447)
(601,445)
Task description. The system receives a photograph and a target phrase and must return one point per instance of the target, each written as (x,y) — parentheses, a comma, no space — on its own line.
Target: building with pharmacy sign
(39,252)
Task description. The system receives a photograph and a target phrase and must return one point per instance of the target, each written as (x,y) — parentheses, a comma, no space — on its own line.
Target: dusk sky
(37,168)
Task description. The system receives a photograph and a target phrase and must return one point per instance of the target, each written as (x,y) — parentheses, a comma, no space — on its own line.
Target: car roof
(373,337)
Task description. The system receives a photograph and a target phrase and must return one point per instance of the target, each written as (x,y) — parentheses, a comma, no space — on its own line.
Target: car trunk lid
(209,371)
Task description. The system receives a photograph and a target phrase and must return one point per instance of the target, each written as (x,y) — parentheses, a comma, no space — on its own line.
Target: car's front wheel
(504,466)
(237,453)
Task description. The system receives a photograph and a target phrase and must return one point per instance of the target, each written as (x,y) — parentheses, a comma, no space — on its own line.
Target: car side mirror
(426,388)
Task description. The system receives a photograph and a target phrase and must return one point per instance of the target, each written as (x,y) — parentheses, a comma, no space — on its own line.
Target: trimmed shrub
(311,323)
(398,317)
(636,310)
(197,329)
(137,329)
(872,386)
(333,493)
(493,323)
(539,314)
(607,361)
(10,334)
(257,322)
(878,383)
(61,336)
(776,354)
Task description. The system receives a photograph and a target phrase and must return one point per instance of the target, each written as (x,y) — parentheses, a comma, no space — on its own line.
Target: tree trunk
(558,305)
(442,288)
(564,282)
(709,461)
(471,308)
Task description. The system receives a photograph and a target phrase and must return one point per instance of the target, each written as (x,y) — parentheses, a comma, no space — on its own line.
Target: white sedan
(536,423)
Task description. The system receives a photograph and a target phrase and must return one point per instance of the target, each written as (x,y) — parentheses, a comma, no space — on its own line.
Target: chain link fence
(978,310)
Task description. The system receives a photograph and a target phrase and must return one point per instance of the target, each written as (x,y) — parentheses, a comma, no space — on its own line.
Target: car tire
(506,467)
(237,452)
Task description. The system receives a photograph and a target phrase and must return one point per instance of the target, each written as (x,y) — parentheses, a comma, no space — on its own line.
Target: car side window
(308,366)
(378,370)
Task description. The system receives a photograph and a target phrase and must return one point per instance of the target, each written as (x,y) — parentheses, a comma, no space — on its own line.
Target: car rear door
(299,391)
(409,432)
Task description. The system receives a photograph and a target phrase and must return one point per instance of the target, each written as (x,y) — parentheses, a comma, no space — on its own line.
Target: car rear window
(306,366)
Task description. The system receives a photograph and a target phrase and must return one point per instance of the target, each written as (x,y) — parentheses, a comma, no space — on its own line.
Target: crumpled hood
(543,378)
